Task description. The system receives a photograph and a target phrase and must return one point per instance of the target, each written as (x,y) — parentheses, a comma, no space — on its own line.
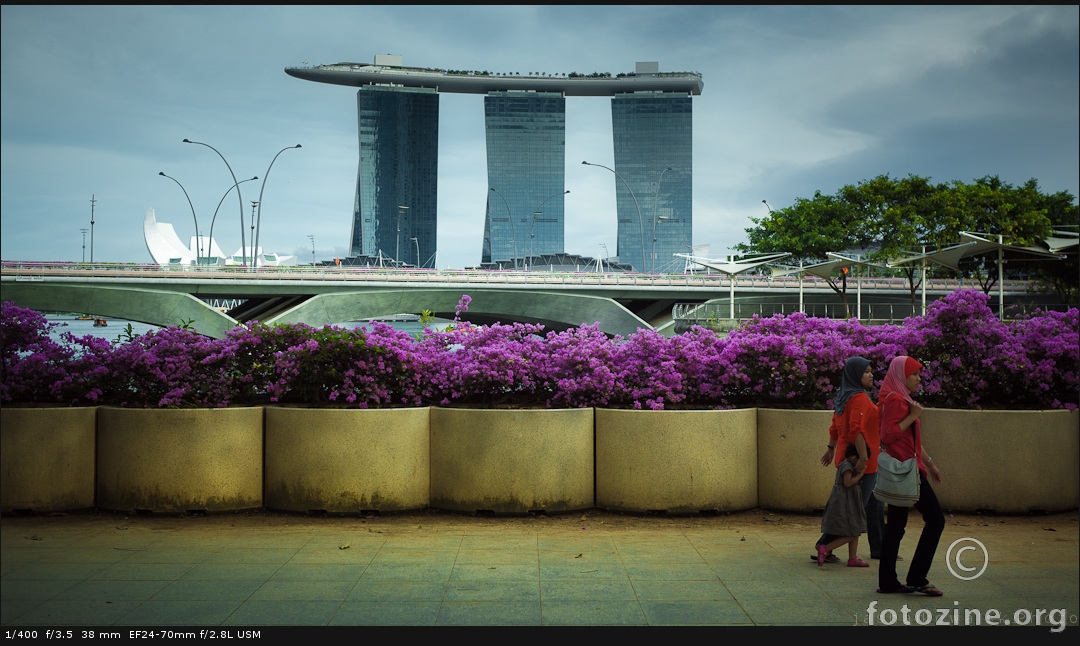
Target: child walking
(845,517)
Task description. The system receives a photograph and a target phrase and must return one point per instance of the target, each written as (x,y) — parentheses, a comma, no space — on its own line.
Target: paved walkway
(431,568)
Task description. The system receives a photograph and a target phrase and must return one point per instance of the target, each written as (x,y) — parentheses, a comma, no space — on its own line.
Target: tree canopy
(885,218)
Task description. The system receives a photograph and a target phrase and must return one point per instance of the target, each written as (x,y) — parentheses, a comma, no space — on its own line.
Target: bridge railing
(707,314)
(466,276)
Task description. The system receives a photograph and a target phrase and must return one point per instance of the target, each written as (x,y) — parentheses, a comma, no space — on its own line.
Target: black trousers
(895,523)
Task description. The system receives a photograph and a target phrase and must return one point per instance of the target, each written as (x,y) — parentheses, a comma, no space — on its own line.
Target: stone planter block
(790,444)
(511,461)
(47,459)
(676,461)
(347,460)
(178,460)
(1005,461)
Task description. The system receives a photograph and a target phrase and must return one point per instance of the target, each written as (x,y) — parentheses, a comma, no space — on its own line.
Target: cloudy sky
(96,101)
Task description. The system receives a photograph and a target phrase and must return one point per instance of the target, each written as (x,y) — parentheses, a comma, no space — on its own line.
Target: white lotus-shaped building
(166,248)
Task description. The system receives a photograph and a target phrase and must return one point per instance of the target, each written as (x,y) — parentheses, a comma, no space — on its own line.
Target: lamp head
(188,141)
(163,174)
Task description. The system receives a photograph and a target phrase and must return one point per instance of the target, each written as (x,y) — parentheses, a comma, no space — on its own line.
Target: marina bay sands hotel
(394,212)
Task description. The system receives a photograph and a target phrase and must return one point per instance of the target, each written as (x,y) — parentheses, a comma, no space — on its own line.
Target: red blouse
(860,416)
(901,444)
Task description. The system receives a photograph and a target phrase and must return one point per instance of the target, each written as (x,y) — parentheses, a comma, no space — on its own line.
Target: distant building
(394,212)
(525,123)
(526,164)
(653,138)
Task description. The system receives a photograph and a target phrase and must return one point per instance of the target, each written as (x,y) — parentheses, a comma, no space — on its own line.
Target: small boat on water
(85,317)
(101,323)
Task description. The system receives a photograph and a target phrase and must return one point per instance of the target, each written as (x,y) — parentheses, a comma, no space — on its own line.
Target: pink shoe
(821,554)
(857,563)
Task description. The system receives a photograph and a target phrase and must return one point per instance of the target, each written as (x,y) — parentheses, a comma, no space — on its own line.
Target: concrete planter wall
(511,461)
(676,461)
(177,460)
(347,461)
(790,444)
(1005,461)
(47,458)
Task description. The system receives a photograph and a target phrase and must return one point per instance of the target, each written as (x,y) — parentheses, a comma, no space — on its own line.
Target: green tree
(808,230)
(894,218)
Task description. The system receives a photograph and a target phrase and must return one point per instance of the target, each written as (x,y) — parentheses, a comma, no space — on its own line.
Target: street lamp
(254,250)
(397,238)
(641,225)
(537,213)
(417,242)
(84,230)
(510,216)
(92,200)
(236,184)
(655,206)
(198,240)
(312,238)
(210,242)
(258,230)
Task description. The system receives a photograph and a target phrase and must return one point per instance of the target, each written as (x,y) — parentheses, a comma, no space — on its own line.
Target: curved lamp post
(397,237)
(537,213)
(198,240)
(655,219)
(417,243)
(641,226)
(243,251)
(510,216)
(258,227)
(214,219)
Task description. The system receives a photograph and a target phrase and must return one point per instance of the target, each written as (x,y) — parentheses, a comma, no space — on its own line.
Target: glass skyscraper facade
(653,138)
(399,166)
(526,164)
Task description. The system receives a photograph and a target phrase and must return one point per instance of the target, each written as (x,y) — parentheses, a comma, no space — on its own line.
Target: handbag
(897,482)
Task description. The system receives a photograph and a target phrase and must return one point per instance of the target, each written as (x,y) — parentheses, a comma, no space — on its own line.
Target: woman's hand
(934,472)
(827,458)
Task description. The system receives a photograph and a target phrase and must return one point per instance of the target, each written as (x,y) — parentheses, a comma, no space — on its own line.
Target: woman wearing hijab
(901,437)
(855,420)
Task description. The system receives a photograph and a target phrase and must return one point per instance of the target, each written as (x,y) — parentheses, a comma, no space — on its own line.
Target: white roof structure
(166,248)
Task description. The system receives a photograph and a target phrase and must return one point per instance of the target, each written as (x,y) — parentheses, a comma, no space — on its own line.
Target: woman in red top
(855,420)
(901,437)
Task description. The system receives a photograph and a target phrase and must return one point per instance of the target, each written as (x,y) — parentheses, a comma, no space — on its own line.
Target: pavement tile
(210,590)
(275,590)
(592,612)
(387,613)
(489,613)
(388,590)
(682,590)
(179,612)
(668,612)
(607,590)
(492,590)
(283,613)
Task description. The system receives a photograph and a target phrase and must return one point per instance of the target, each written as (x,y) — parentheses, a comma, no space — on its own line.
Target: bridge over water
(620,303)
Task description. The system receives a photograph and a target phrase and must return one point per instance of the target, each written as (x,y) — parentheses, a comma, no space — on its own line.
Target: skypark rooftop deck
(482,82)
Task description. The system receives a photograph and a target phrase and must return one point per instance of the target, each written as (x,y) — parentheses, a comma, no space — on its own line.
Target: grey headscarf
(850,382)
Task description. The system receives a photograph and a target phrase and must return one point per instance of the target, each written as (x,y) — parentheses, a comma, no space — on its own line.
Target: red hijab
(900,368)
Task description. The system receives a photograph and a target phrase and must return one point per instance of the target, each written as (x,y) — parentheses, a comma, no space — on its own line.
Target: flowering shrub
(38,369)
(972,360)
(336,366)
